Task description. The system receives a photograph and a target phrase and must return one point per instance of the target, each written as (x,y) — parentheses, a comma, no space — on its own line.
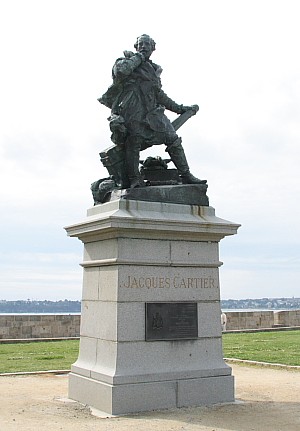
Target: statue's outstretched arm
(165,100)
(169,104)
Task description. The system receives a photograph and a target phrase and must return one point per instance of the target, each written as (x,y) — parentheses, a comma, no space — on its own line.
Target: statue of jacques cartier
(137,119)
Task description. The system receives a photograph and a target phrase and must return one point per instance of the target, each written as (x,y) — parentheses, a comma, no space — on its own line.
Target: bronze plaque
(171,321)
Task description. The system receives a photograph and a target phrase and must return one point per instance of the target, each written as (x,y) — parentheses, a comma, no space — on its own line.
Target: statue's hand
(128,54)
(194,108)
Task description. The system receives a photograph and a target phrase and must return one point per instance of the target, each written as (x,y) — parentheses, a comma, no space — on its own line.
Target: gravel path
(267,399)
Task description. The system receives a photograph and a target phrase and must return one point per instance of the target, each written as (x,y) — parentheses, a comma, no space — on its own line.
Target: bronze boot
(177,155)
(132,156)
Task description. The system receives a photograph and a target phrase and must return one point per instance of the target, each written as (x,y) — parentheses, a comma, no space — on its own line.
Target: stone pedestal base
(139,397)
(138,253)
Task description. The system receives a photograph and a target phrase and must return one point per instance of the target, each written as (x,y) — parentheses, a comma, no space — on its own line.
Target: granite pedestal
(137,253)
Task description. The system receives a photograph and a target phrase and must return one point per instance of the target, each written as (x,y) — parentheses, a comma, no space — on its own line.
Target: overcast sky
(238,60)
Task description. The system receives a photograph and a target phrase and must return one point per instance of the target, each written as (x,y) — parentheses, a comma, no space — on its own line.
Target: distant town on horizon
(68,306)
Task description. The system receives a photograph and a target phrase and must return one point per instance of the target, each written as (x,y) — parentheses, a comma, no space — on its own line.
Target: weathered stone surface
(138,252)
(42,326)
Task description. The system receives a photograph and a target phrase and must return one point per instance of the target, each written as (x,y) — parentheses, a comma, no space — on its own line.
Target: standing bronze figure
(137,119)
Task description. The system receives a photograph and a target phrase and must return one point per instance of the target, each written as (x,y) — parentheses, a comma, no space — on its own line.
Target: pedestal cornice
(139,219)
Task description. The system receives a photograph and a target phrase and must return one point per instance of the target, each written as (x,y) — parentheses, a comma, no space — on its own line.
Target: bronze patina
(138,121)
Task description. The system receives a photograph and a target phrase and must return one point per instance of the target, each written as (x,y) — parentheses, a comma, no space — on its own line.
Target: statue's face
(144,46)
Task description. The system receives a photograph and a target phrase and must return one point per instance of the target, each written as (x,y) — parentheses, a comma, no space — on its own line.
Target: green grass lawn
(40,356)
(280,347)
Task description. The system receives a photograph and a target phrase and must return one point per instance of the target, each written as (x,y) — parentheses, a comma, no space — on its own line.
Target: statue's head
(145,45)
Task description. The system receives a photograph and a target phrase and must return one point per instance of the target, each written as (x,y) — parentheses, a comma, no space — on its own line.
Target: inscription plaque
(171,321)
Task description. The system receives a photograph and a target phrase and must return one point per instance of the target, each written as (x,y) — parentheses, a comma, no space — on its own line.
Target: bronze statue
(137,119)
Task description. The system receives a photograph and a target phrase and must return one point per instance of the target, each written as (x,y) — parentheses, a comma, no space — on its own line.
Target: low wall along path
(68,325)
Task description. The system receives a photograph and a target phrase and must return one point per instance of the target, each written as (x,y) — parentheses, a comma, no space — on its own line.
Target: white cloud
(241,284)
(40,276)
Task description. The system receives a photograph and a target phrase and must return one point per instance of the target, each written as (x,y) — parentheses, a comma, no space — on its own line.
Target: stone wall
(287,318)
(261,319)
(39,326)
(249,320)
(67,325)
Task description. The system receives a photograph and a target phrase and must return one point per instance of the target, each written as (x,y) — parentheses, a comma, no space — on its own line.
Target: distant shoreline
(224,310)
(61,313)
